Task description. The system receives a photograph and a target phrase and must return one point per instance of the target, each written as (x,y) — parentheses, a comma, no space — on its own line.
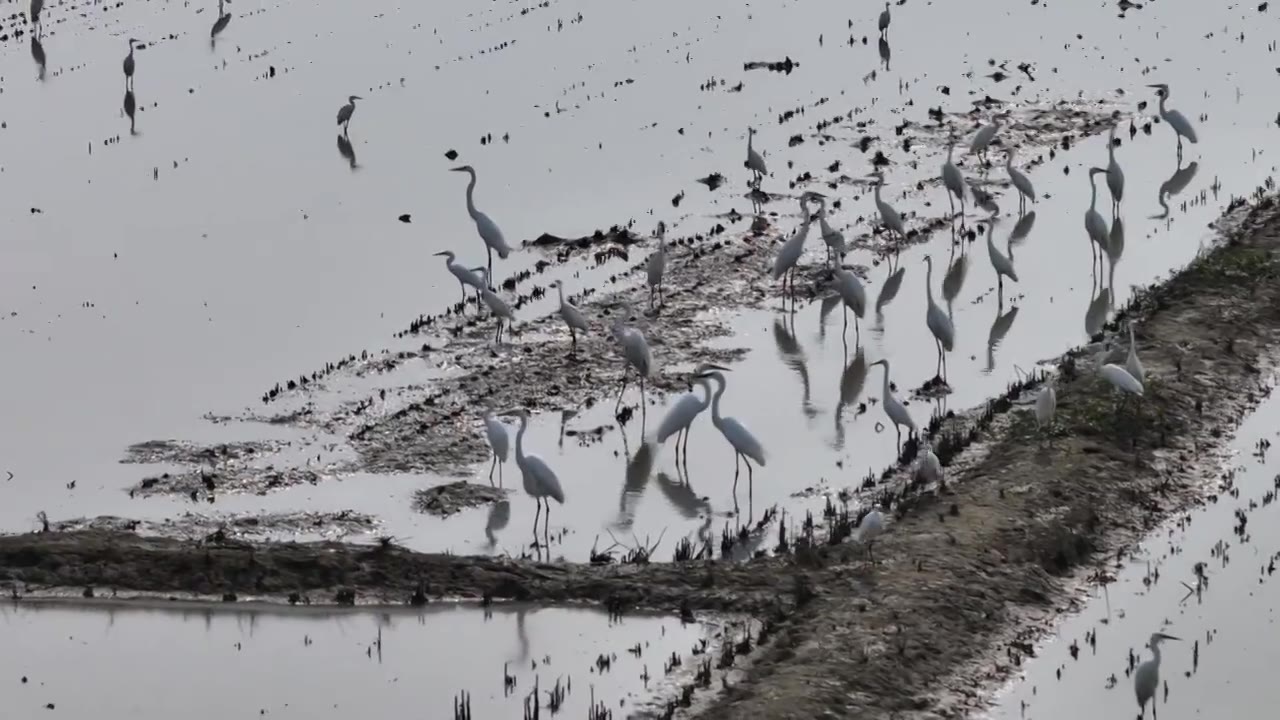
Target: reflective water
(151,279)
(218,662)
(1222,666)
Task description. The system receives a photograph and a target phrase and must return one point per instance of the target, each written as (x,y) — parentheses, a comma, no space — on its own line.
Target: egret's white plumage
(929,469)
(488,229)
(853,295)
(680,417)
(834,239)
(1132,364)
(496,433)
(755,163)
(540,480)
(1115,176)
(953,180)
(869,528)
(466,278)
(1181,126)
(745,445)
(1120,379)
(1046,406)
(1020,181)
(944,331)
(1093,222)
(657,266)
(496,305)
(572,316)
(893,407)
(987,133)
(1002,263)
(793,248)
(1146,680)
(635,350)
(890,217)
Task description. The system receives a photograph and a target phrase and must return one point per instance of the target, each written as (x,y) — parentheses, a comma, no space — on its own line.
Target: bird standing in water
(346,111)
(128,66)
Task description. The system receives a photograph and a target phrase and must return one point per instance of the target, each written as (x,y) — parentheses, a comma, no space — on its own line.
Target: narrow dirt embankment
(959,570)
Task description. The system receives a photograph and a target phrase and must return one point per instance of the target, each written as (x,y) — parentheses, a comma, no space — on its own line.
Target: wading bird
(871,525)
(745,446)
(1115,176)
(1020,181)
(834,239)
(499,307)
(1132,364)
(1181,126)
(540,480)
(985,135)
(890,217)
(1046,407)
(1147,678)
(679,419)
(929,470)
(893,407)
(496,433)
(220,24)
(128,65)
(1002,263)
(884,20)
(853,295)
(657,265)
(1093,222)
(944,331)
(785,263)
(755,163)
(1121,380)
(487,228)
(466,278)
(635,350)
(572,316)
(346,111)
(953,181)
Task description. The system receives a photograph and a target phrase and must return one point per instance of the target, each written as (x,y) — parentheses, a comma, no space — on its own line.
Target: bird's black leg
(488,279)
(620,392)
(492,466)
(736,469)
(536,515)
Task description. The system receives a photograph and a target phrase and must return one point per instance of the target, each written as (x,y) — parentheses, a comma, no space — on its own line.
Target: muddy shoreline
(962,571)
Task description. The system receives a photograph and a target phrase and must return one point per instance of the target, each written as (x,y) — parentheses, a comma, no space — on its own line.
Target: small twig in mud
(640,553)
(44,521)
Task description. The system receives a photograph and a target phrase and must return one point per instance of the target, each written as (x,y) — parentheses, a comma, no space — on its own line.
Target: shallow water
(217,662)
(145,295)
(1221,668)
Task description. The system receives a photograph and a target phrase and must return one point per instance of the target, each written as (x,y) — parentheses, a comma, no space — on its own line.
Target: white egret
(496,433)
(128,65)
(1002,263)
(953,180)
(944,331)
(1132,364)
(1115,176)
(346,111)
(1046,406)
(1093,222)
(1147,678)
(836,247)
(466,277)
(1020,181)
(890,217)
(871,525)
(657,265)
(745,446)
(853,294)
(540,480)
(635,350)
(499,307)
(755,163)
(784,264)
(487,228)
(1181,126)
(884,20)
(572,316)
(893,407)
(679,419)
(1121,380)
(929,469)
(985,135)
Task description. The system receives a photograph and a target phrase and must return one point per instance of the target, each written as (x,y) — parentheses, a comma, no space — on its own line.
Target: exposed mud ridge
(445,500)
(232,478)
(960,569)
(242,526)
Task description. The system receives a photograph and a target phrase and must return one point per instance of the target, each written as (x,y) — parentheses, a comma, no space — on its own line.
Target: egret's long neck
(715,399)
(561,289)
(887,393)
(1008,162)
(524,422)
(1111,146)
(1093,193)
(877,193)
(471,193)
(750,135)
(1164,96)
(1155,653)
(706,385)
(950,150)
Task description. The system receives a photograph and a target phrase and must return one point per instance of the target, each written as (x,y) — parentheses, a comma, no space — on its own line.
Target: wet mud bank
(961,574)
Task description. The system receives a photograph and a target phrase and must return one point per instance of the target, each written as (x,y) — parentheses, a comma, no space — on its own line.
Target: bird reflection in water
(887,293)
(499,516)
(130,107)
(825,306)
(999,328)
(1176,183)
(1022,228)
(38,56)
(793,356)
(681,497)
(885,52)
(224,18)
(635,480)
(346,150)
(853,377)
(1096,315)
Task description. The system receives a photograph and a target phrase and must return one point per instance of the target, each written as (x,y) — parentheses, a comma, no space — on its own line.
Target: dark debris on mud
(445,500)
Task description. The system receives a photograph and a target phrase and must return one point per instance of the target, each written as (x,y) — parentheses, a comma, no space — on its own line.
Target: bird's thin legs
(642,399)
(686,445)
(573,336)
(536,515)
(546,524)
(751,485)
(489,278)
(737,459)
(618,404)
(493,466)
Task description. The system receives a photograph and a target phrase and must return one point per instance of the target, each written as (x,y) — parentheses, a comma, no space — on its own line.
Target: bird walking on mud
(755,162)
(1176,120)
(986,134)
(745,445)
(466,277)
(1146,679)
(953,180)
(1046,408)
(1115,175)
(128,66)
(635,351)
(870,527)
(891,218)
(893,407)
(656,267)
(497,306)
(939,324)
(833,238)
(488,229)
(346,111)
(1020,182)
(572,316)
(784,264)
(539,480)
(496,433)
(929,470)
